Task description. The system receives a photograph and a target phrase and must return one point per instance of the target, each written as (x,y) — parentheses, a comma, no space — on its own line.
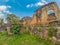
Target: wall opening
(50,12)
(51,15)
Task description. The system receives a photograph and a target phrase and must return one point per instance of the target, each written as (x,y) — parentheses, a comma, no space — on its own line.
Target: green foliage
(51,31)
(58,43)
(15,29)
(1,21)
(23,39)
(14,23)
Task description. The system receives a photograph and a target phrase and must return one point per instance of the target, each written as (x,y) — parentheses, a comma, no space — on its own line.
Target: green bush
(51,31)
(14,23)
(15,29)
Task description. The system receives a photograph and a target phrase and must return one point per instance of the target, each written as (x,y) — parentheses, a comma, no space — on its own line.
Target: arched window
(50,12)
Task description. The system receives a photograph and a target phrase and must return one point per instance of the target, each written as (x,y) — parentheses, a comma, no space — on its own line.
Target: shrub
(51,31)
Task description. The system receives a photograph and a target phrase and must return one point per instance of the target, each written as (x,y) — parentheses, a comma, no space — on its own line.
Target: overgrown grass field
(22,39)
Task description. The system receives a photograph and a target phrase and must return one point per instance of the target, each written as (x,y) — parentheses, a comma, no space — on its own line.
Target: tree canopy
(14,23)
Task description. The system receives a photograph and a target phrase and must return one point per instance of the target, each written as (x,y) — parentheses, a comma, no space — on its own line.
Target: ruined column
(8,30)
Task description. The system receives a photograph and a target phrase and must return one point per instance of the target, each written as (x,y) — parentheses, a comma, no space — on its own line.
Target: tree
(1,22)
(14,23)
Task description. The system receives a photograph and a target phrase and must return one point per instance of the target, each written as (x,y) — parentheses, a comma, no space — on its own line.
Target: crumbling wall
(42,18)
(41,15)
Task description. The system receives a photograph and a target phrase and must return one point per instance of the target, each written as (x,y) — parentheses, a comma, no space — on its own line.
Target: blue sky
(22,8)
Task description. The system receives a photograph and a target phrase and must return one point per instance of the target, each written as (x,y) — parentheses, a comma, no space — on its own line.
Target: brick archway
(42,13)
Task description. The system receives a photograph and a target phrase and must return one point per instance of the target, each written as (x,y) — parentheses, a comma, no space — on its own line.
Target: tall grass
(22,39)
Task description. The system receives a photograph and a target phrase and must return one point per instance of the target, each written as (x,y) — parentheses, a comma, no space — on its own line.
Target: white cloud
(39,4)
(28,6)
(4,9)
(9,6)
(1,15)
(43,2)
(32,5)
(8,12)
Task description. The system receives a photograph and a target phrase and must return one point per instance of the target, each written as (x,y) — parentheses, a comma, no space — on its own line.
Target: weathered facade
(43,19)
(41,15)
(25,21)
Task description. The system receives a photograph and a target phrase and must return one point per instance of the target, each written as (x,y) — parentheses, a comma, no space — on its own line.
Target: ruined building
(45,18)
(40,22)
(41,15)
(26,20)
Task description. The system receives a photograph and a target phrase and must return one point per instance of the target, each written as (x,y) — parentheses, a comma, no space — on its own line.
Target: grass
(22,39)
